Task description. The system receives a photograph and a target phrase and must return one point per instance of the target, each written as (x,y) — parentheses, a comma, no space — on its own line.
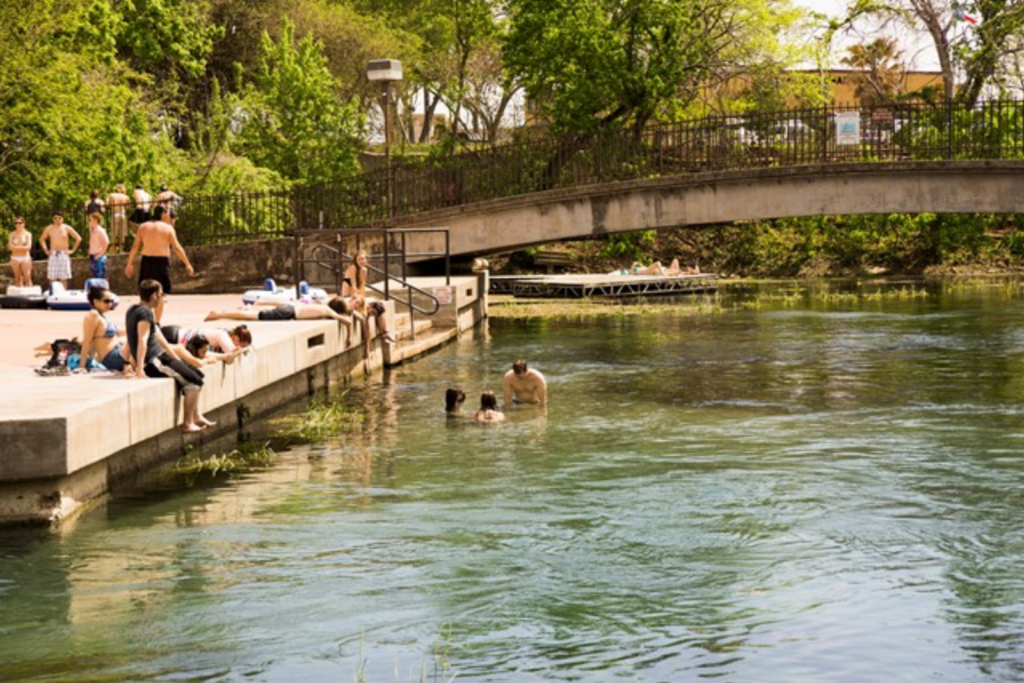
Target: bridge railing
(882,133)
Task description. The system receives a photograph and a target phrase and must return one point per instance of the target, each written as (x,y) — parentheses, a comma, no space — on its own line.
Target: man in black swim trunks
(157,238)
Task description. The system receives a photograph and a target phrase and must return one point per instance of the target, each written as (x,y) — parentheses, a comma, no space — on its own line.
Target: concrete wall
(726,197)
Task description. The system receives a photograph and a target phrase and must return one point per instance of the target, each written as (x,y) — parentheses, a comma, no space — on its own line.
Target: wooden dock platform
(602,285)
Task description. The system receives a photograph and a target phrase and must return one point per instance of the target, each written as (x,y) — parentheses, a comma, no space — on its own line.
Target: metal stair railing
(410,288)
(338,257)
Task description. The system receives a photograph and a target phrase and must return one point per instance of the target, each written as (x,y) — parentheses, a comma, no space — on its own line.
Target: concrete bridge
(701,199)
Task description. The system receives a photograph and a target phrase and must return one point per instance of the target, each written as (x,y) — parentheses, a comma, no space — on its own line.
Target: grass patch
(323,418)
(512,308)
(246,456)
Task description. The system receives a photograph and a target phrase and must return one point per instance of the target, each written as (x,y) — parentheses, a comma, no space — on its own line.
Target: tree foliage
(597,63)
(293,121)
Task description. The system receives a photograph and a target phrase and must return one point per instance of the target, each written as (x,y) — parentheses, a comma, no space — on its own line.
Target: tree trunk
(428,114)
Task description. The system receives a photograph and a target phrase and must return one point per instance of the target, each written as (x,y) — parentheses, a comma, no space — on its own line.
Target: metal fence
(884,133)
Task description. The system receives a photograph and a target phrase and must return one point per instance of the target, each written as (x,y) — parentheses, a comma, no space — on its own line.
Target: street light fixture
(386,71)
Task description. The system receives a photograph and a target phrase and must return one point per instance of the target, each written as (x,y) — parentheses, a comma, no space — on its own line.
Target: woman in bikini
(20,244)
(353,287)
(100,337)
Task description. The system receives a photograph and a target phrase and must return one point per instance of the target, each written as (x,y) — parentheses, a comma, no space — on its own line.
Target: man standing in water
(523,385)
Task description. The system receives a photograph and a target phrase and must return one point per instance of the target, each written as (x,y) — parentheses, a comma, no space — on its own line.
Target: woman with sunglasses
(100,337)
(20,244)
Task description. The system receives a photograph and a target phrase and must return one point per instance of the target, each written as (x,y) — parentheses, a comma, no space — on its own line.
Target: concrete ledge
(66,440)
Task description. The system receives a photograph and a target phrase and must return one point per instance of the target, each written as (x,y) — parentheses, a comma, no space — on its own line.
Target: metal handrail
(338,258)
(407,285)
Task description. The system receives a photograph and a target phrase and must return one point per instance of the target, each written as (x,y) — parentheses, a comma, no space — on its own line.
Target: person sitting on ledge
(100,336)
(353,287)
(225,345)
(335,309)
(155,358)
(489,413)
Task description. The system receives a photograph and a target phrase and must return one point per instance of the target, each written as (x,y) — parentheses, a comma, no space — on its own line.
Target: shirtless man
(168,198)
(157,238)
(118,202)
(142,202)
(59,268)
(523,385)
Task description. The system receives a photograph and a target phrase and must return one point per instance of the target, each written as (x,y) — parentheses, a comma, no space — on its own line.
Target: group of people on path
(521,384)
(155,236)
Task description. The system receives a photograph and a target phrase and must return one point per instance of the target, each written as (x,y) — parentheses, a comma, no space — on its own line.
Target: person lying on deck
(640,269)
(225,345)
(335,309)
(675,269)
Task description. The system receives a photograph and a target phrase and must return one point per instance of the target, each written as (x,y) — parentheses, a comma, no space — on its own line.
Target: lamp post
(386,71)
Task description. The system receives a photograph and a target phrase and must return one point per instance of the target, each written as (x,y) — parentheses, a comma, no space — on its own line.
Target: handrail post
(297,240)
(949,130)
(405,280)
(387,271)
(447,258)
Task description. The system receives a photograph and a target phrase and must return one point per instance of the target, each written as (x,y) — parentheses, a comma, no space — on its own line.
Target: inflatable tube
(23,297)
(61,299)
(272,294)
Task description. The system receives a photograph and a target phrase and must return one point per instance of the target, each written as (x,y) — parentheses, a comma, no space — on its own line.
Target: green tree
(970,57)
(168,39)
(597,63)
(70,119)
(293,120)
(878,75)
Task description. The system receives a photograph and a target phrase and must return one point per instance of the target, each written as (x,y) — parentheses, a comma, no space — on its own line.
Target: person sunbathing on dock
(523,385)
(335,309)
(675,269)
(640,269)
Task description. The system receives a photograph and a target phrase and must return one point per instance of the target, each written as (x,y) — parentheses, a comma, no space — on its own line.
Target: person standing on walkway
(155,358)
(57,251)
(156,239)
(98,243)
(168,199)
(95,204)
(142,203)
(523,385)
(118,202)
(20,244)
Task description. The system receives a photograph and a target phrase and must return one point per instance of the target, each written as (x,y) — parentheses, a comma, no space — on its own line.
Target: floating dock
(66,441)
(602,285)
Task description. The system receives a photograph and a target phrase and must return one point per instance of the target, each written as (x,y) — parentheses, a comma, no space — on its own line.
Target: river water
(804,489)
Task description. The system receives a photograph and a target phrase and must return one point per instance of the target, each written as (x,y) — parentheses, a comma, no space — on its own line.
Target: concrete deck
(64,440)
